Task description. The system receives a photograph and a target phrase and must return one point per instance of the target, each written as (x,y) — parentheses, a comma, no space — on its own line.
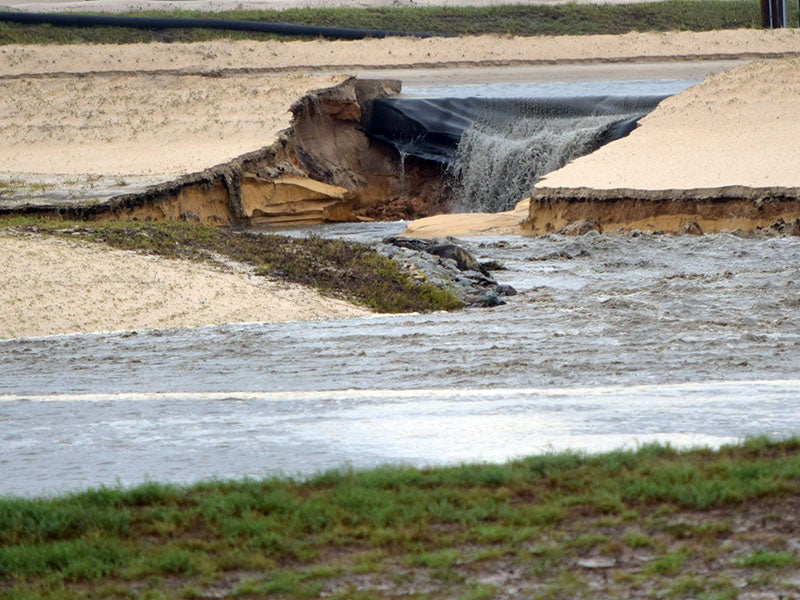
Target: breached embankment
(321,169)
(60,125)
(356,151)
(492,150)
(721,156)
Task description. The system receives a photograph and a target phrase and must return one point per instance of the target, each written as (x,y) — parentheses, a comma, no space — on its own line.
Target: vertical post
(775,13)
(766,16)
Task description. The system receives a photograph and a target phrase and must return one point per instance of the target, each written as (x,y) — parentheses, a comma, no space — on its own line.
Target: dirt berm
(322,169)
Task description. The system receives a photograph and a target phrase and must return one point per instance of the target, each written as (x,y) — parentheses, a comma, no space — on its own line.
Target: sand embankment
(74,114)
(52,286)
(736,128)
(721,155)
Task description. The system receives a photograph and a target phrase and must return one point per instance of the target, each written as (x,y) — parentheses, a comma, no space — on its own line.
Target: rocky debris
(581,227)
(447,265)
(781,227)
(691,228)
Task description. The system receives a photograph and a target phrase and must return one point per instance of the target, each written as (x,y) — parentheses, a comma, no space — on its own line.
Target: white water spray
(499,160)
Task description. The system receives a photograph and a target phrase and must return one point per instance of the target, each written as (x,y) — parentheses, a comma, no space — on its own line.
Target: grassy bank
(567,19)
(350,271)
(650,523)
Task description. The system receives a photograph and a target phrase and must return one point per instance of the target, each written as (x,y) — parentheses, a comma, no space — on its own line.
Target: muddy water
(614,341)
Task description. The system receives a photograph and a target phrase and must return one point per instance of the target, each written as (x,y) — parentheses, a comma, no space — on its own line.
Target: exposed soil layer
(675,211)
(322,169)
(718,156)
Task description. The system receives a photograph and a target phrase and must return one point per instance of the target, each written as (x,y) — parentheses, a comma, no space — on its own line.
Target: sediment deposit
(53,286)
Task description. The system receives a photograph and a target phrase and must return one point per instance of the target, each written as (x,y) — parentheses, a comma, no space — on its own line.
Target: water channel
(613,341)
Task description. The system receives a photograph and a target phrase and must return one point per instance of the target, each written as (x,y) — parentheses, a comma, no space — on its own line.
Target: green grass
(336,268)
(439,532)
(567,19)
(765,559)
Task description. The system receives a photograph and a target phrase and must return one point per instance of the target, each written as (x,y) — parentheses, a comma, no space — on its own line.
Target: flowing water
(497,141)
(499,160)
(613,342)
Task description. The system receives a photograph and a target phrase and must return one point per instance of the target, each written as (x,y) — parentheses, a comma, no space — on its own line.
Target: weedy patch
(457,532)
(345,270)
(512,19)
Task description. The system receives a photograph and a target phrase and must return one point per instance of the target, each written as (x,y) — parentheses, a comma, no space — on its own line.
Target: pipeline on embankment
(284,29)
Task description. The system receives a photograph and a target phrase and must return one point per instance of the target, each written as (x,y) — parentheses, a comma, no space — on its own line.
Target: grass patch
(637,539)
(670,563)
(395,531)
(340,269)
(567,19)
(764,559)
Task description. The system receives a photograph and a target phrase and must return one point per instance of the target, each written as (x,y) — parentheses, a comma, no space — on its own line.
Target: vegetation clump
(654,522)
(519,19)
(346,270)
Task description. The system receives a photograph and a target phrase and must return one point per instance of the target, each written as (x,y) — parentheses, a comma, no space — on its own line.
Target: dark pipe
(72,20)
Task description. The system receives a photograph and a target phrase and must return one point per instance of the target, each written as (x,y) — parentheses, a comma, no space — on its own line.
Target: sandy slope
(52,286)
(737,128)
(292,56)
(153,109)
(146,124)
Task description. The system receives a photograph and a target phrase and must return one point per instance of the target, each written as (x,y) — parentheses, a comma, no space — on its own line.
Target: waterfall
(494,149)
(497,161)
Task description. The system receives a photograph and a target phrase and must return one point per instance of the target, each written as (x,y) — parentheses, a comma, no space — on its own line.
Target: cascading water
(494,150)
(497,163)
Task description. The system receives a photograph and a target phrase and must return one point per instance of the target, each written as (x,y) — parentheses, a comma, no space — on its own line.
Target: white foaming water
(498,163)
(678,393)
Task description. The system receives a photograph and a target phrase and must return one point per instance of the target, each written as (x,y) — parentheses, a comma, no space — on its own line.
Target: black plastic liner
(431,128)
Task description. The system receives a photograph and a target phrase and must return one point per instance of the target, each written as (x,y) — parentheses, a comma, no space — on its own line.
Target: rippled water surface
(613,341)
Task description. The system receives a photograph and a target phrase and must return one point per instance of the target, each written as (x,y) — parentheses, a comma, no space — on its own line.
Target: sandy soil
(51,286)
(294,56)
(471,224)
(737,128)
(129,125)
(152,109)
